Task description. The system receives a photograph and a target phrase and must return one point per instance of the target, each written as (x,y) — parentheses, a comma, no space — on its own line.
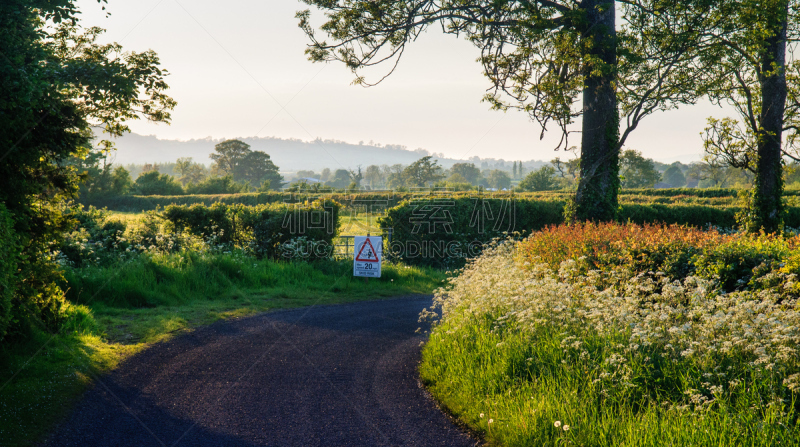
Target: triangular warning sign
(370,255)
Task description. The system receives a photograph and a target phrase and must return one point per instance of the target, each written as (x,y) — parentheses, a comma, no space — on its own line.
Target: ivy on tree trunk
(766,207)
(596,198)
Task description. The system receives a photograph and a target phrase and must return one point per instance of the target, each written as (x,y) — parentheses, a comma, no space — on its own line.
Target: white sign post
(367,253)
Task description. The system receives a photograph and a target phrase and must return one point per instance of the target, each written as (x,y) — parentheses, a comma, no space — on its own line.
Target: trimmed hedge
(445,232)
(366,198)
(9,252)
(262,228)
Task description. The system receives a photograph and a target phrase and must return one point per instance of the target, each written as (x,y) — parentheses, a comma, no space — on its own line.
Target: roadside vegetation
(623,335)
(131,280)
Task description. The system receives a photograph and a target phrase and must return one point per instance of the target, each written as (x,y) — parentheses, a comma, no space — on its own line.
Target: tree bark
(767,205)
(597,196)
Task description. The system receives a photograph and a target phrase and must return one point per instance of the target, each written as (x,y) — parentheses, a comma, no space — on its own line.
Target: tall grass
(174,279)
(117,308)
(616,357)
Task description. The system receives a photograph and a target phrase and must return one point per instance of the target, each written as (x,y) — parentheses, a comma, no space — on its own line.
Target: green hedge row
(382,199)
(445,232)
(694,192)
(265,229)
(375,199)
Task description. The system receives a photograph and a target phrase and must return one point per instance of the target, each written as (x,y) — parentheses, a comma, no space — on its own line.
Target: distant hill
(289,155)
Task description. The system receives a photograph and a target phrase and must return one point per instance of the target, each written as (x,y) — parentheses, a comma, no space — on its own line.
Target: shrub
(215,185)
(262,229)
(444,232)
(9,252)
(153,183)
(732,261)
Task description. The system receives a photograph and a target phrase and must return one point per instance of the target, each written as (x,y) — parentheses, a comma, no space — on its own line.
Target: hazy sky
(238,69)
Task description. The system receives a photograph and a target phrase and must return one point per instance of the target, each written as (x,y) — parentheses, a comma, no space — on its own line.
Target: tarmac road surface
(343,375)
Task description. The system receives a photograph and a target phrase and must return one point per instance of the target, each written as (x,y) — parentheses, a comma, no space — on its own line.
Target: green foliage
(234,158)
(696,216)
(637,171)
(541,180)
(420,174)
(101,181)
(217,185)
(264,229)
(190,172)
(468,171)
(155,184)
(9,257)
(674,176)
(94,238)
(498,179)
(340,179)
(445,232)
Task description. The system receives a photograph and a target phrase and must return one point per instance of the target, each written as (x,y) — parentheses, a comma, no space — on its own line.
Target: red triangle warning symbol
(368,252)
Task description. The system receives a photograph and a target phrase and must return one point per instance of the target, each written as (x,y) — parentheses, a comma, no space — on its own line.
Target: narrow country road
(323,376)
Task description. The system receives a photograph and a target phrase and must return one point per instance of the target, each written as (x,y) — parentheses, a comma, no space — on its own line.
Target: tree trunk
(596,198)
(767,205)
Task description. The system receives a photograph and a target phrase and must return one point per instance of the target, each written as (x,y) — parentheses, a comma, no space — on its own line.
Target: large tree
(539,56)
(637,171)
(229,157)
(235,158)
(752,75)
(467,170)
(56,82)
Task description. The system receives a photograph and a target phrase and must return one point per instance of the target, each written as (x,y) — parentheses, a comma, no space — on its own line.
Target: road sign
(367,256)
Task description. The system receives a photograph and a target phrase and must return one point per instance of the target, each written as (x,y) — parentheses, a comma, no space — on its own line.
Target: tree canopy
(539,56)
(56,83)
(235,158)
(753,75)
(540,180)
(637,171)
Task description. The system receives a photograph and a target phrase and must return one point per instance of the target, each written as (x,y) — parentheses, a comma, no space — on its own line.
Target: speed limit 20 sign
(367,256)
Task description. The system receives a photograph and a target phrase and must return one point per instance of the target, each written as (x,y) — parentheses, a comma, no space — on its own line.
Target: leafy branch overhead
(108,85)
(535,54)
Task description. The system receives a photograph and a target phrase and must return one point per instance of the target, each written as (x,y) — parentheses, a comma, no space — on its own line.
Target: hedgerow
(387,199)
(263,229)
(444,232)
(735,261)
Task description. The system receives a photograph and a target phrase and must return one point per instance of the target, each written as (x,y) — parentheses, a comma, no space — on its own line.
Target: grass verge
(612,356)
(118,310)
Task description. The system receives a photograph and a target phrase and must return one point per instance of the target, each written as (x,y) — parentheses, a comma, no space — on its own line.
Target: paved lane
(326,376)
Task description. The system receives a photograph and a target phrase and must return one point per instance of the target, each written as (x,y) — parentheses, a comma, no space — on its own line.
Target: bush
(93,238)
(152,183)
(732,261)
(262,229)
(444,232)
(215,185)
(9,252)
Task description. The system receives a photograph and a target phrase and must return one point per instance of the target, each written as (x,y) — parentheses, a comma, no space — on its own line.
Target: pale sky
(238,69)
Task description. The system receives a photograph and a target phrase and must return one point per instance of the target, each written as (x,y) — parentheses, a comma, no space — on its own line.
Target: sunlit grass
(622,358)
(151,298)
